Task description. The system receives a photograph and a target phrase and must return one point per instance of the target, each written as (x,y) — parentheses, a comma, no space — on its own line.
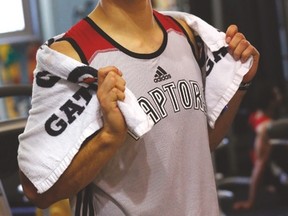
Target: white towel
(64,113)
(58,125)
(225,74)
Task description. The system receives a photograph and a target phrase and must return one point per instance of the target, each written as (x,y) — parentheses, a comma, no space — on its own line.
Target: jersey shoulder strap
(169,23)
(87,38)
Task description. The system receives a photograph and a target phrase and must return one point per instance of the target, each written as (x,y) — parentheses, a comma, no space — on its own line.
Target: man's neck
(129,22)
(132,14)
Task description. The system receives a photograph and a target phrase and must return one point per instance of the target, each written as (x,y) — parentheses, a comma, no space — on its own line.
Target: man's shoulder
(190,33)
(65,48)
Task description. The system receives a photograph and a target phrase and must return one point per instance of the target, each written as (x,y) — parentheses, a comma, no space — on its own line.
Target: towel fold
(223,73)
(65,110)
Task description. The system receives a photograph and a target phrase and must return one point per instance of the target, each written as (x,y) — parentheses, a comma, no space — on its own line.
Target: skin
(138,32)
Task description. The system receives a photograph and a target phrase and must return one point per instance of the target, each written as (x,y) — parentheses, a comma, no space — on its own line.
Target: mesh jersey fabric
(169,170)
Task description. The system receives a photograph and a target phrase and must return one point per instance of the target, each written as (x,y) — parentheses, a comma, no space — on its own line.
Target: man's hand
(111,87)
(242,50)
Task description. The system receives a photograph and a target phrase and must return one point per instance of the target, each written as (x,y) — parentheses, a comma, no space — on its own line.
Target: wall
(57,16)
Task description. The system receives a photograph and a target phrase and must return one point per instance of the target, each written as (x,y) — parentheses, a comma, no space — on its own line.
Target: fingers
(231,31)
(102,73)
(241,49)
(114,87)
(111,86)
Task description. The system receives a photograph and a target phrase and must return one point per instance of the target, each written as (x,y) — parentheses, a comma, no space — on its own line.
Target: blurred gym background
(264,23)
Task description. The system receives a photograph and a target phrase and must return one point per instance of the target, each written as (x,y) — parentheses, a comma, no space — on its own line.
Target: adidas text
(162,78)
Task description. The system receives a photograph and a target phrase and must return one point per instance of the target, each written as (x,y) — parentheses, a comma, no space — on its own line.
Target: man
(263,120)
(168,171)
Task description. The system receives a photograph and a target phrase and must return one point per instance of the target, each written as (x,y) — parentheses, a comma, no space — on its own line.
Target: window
(18,21)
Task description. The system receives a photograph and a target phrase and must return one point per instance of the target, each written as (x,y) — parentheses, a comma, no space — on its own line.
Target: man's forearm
(225,120)
(83,169)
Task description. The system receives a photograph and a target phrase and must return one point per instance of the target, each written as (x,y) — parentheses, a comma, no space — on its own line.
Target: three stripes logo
(161,75)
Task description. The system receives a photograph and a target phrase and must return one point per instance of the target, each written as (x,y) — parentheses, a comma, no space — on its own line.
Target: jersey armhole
(76,47)
(193,46)
(200,55)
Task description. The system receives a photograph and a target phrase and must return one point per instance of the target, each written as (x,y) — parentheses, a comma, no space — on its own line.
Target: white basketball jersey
(169,170)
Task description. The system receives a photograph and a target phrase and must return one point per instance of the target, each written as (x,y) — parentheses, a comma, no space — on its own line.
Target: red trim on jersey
(88,39)
(91,39)
(167,22)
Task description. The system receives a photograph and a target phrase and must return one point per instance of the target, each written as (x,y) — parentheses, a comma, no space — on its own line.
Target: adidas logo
(161,75)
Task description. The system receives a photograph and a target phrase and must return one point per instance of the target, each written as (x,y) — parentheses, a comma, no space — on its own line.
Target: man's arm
(224,121)
(96,152)
(241,50)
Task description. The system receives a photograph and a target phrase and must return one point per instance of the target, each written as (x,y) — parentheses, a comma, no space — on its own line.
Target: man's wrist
(244,86)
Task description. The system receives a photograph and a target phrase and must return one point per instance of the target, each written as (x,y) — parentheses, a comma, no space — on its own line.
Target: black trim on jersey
(50,41)
(84,199)
(128,52)
(188,39)
(78,203)
(200,45)
(84,202)
(76,48)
